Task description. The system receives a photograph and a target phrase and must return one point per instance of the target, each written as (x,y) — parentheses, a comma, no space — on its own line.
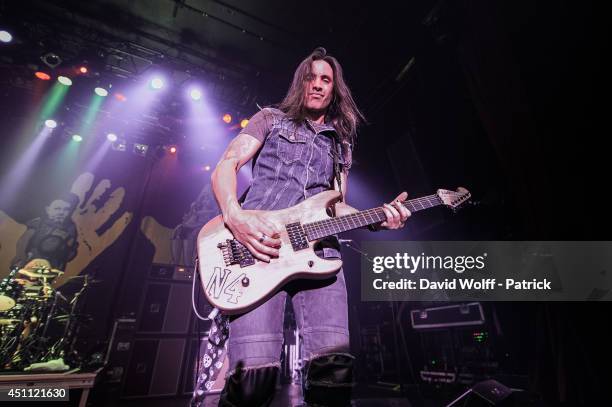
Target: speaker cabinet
(166,308)
(155,368)
(163,347)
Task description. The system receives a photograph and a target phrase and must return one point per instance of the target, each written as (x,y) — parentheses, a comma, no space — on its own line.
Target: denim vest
(295,162)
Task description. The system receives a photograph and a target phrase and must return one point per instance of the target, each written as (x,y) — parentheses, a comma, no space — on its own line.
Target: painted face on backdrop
(58,211)
(319,86)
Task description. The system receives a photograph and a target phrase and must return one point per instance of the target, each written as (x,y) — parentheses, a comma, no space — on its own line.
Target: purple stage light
(112,137)
(157,83)
(196,94)
(11,183)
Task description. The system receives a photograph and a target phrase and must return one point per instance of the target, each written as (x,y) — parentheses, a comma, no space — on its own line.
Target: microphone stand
(349,243)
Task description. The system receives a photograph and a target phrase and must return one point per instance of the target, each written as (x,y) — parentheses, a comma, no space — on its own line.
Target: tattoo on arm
(241,150)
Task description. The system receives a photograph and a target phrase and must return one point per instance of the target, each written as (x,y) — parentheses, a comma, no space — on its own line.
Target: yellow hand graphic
(10,231)
(89,218)
(160,236)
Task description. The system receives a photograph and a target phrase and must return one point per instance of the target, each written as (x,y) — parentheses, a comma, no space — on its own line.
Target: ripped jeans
(256,340)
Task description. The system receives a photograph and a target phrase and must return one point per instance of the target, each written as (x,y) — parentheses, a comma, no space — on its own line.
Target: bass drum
(9,296)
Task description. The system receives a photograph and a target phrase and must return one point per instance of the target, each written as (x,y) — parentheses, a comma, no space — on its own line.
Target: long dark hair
(342,112)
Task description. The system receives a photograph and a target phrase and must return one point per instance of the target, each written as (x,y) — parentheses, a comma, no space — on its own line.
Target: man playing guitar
(301,148)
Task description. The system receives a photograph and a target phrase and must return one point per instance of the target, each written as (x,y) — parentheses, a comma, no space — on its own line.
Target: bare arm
(239,152)
(251,228)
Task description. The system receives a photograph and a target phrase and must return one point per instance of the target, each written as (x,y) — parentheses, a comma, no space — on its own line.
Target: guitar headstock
(454,199)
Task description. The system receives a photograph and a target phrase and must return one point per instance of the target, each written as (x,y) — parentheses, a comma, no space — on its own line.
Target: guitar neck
(323,228)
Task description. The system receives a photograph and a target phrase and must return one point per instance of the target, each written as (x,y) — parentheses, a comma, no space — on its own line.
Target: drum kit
(37,322)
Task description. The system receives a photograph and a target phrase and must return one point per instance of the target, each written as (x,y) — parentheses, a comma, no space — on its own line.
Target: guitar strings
(327,226)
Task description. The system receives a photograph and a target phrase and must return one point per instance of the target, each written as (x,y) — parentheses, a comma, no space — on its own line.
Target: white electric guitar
(236,282)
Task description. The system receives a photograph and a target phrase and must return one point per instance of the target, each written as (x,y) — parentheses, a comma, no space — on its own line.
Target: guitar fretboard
(331,226)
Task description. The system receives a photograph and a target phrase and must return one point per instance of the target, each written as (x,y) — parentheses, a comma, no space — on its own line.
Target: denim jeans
(321,312)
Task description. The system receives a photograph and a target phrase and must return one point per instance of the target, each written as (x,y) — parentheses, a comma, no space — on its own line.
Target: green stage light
(64,80)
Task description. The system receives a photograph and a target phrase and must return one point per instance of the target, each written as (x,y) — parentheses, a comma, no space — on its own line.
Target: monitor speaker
(485,394)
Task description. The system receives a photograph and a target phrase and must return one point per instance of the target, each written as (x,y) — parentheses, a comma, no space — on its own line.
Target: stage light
(112,137)
(207,168)
(244,123)
(140,149)
(64,80)
(101,92)
(119,145)
(172,150)
(41,75)
(5,36)
(157,83)
(120,97)
(77,138)
(195,94)
(83,69)
(51,59)
(50,123)
(227,118)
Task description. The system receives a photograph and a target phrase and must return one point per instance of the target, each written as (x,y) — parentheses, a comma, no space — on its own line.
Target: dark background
(505,98)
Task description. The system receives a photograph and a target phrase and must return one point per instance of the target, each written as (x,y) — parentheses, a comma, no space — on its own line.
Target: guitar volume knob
(245,282)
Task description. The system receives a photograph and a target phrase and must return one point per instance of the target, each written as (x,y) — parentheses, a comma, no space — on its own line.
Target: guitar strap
(337,153)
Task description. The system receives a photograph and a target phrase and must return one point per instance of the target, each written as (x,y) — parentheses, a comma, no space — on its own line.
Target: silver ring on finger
(262,238)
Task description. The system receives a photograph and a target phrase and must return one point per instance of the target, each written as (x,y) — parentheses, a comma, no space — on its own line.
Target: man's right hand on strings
(253,230)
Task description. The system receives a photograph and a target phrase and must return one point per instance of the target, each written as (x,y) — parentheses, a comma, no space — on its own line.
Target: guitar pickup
(297,237)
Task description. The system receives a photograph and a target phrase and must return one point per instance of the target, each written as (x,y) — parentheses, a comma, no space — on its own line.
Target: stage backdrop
(96,210)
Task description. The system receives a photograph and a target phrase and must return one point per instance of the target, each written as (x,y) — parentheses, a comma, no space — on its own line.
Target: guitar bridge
(235,252)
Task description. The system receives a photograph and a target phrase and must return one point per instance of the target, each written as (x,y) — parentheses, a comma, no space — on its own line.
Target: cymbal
(8,321)
(27,283)
(89,280)
(45,274)
(37,263)
(38,296)
(37,267)
(76,317)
